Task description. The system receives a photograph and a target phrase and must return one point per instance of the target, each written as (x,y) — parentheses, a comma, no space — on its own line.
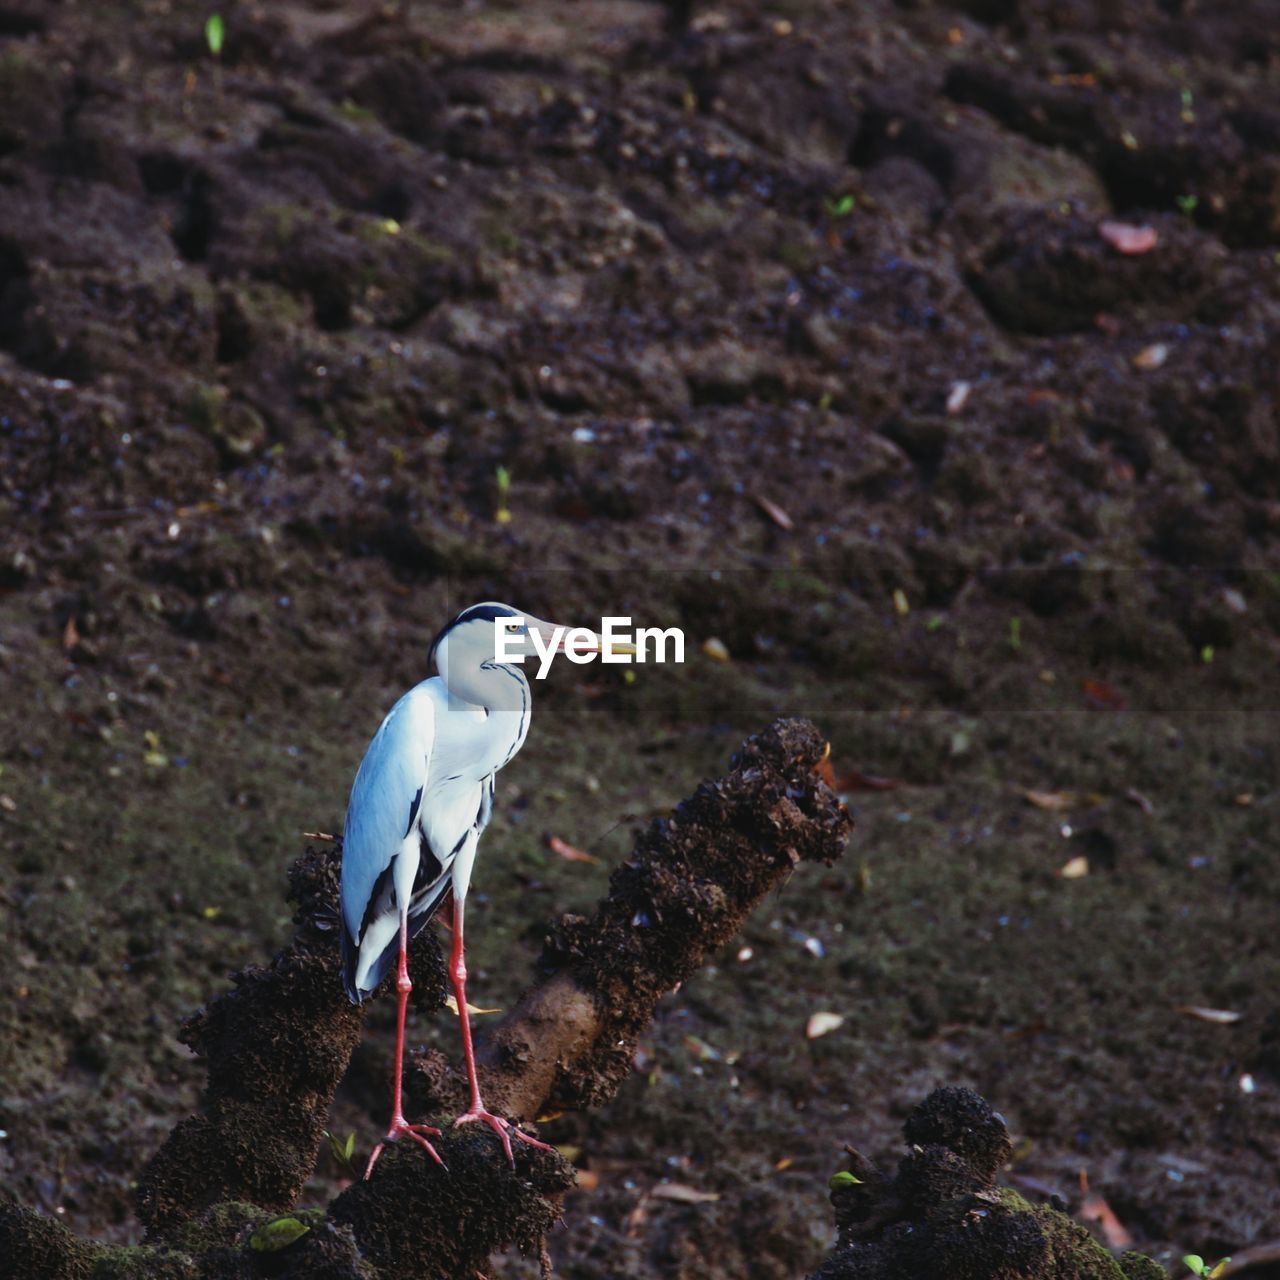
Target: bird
(422,797)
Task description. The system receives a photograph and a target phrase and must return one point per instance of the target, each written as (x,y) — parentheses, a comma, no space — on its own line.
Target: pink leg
(458,973)
(398,1123)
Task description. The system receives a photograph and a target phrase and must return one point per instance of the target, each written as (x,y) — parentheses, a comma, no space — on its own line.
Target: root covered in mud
(277,1045)
(687,888)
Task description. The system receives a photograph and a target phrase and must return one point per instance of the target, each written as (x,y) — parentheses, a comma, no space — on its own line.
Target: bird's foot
(416,1131)
(503,1128)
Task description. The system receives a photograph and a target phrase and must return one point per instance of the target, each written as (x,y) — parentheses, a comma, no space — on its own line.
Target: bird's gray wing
(385,801)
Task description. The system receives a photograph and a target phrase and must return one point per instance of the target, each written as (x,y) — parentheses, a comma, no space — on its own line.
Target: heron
(421,800)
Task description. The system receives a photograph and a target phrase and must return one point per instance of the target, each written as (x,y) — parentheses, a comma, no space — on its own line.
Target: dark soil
(271,324)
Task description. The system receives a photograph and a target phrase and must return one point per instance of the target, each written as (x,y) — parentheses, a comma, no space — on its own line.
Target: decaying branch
(277,1046)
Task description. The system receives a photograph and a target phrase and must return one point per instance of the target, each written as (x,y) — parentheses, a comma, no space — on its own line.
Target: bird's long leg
(398,1124)
(477,1110)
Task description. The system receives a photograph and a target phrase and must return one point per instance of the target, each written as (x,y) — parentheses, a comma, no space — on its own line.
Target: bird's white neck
(478,679)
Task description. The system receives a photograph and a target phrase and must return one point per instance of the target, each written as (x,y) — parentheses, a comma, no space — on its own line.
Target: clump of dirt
(479,1205)
(942,1216)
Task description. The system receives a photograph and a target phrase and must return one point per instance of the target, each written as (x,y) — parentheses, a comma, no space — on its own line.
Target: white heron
(422,797)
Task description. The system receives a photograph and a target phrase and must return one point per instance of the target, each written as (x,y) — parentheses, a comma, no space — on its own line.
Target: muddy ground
(275,326)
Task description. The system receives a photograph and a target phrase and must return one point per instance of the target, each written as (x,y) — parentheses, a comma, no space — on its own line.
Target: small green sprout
(1188,112)
(1206,654)
(1187,205)
(840,207)
(343,1151)
(1015,634)
(215,32)
(503,478)
(1199,1267)
(843,1179)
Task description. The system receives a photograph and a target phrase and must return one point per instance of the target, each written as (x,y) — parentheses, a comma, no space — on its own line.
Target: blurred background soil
(792,326)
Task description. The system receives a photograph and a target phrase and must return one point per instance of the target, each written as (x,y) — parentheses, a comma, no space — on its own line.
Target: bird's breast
(473,742)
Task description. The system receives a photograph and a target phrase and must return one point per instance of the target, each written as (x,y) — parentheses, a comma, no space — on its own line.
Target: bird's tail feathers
(361,980)
(350,959)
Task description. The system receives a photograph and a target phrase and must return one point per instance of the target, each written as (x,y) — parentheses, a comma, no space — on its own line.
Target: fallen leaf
(821,1024)
(958,397)
(1135,796)
(1255,1255)
(1151,357)
(901,605)
(856,780)
(1103,695)
(700,1051)
(773,511)
(1129,238)
(1075,869)
(715,649)
(1042,395)
(1026,1032)
(588,1179)
(70,635)
(634,1222)
(853,779)
(566,850)
(452,1004)
(1096,1209)
(1223,1017)
(8,804)
(1053,801)
(785,1163)
(1234,600)
(683,1194)
(277,1234)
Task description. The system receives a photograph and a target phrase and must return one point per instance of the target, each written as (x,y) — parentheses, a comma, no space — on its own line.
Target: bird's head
(471,640)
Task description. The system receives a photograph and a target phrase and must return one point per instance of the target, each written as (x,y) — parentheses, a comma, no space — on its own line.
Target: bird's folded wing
(385,800)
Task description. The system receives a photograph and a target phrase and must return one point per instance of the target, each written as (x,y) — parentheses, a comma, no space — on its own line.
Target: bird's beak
(555,639)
